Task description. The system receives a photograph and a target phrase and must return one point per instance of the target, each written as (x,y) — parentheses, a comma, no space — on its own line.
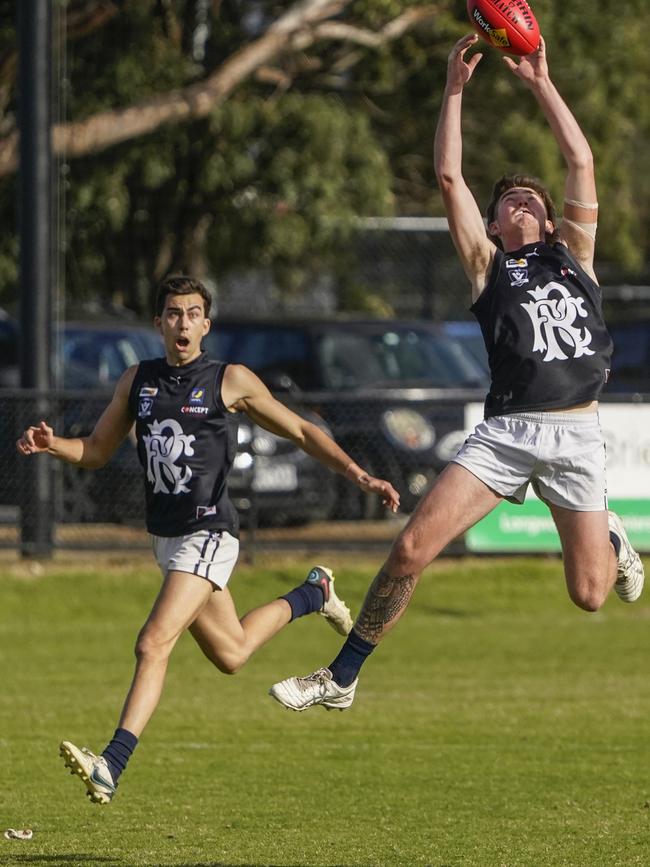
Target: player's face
(183,325)
(522,209)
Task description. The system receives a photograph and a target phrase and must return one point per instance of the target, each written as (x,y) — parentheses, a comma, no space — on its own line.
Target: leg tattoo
(387,597)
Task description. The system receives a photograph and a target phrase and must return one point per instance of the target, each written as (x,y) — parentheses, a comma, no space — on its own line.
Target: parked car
(467,332)
(274,483)
(392,391)
(272,479)
(631,358)
(93,355)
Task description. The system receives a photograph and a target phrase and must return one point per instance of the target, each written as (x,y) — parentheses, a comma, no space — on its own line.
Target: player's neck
(173,360)
(519,238)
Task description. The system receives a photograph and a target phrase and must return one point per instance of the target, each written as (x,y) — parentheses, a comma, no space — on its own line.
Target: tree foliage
(208,135)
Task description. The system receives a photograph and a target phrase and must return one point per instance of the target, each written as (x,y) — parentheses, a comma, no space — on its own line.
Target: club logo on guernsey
(553,312)
(165,446)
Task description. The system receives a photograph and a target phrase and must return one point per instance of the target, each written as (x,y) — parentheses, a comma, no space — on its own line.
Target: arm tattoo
(387,597)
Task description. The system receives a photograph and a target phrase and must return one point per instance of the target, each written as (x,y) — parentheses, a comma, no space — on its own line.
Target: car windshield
(263,348)
(104,355)
(395,357)
(346,358)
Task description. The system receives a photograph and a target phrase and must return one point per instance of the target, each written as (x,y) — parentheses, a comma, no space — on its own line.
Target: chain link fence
(279,491)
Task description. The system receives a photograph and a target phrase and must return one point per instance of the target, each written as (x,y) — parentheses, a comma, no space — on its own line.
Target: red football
(508,25)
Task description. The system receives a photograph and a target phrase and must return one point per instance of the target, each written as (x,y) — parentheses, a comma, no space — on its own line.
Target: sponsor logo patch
(205,511)
(197,397)
(148,391)
(195,410)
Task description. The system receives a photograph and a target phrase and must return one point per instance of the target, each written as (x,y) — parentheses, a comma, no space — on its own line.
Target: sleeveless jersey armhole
(218,382)
(132,401)
(497,264)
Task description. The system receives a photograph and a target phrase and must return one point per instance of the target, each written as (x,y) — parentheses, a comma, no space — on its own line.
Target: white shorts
(210,554)
(561,454)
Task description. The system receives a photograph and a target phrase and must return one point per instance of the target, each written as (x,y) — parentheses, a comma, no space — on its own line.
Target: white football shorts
(561,454)
(210,554)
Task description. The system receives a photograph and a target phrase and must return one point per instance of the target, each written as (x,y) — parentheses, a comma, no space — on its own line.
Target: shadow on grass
(61,860)
(90,860)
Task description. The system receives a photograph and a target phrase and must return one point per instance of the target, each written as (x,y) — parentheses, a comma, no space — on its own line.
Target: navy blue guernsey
(187,442)
(541,318)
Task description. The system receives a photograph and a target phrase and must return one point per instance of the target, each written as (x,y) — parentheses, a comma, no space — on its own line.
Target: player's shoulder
(240,382)
(238,373)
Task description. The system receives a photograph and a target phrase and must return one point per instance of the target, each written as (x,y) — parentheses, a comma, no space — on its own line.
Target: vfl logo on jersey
(145,406)
(165,446)
(517,271)
(553,312)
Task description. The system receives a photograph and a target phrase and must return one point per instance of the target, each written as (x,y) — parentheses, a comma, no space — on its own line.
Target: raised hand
(459,70)
(532,67)
(37,438)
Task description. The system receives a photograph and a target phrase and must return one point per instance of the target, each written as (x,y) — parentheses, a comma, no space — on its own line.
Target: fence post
(35,230)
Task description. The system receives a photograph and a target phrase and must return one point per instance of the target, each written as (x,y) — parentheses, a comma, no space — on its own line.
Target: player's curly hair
(508,182)
(180,284)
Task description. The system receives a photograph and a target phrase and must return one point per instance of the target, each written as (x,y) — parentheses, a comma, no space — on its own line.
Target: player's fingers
(28,436)
(24,446)
(462,45)
(509,62)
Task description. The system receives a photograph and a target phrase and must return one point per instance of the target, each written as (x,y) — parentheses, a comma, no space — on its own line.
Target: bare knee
(588,593)
(406,556)
(152,645)
(229,664)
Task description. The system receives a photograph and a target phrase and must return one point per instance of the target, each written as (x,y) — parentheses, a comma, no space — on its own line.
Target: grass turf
(498,725)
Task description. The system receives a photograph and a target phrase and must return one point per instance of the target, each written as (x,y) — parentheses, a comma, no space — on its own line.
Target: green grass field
(498,725)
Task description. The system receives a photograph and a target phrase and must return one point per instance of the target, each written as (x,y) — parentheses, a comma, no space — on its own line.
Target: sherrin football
(508,25)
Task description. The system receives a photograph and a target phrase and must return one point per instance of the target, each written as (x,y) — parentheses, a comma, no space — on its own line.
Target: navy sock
(304,599)
(118,752)
(351,657)
(616,542)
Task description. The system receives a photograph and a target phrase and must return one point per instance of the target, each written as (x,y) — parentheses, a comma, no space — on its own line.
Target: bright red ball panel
(508,25)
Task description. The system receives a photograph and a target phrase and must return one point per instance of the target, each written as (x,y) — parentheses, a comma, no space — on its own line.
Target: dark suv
(392,391)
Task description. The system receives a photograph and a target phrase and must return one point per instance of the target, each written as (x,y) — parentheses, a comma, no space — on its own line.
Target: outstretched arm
(580,201)
(243,391)
(474,248)
(97,448)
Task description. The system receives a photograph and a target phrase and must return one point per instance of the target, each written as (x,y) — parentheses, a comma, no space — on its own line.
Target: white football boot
(300,693)
(629,582)
(92,769)
(334,610)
